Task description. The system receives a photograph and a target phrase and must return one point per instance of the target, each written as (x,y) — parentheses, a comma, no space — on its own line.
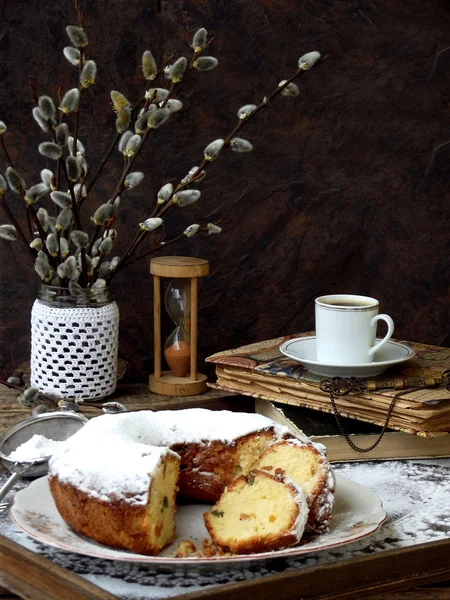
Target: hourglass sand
(181,304)
(177,349)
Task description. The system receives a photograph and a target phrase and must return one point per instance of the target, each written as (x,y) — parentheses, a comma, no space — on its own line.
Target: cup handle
(387,337)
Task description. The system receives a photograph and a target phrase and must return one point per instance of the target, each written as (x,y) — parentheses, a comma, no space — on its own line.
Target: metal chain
(338,386)
(446,375)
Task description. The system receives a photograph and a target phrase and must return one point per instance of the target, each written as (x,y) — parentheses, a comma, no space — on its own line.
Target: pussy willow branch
(134,244)
(76,214)
(170,203)
(10,214)
(13,220)
(140,235)
(127,167)
(136,241)
(127,258)
(242,122)
(100,166)
(109,153)
(54,401)
(101,256)
(62,162)
(110,150)
(119,186)
(59,235)
(77,109)
(131,249)
(30,229)
(81,89)
(133,259)
(94,237)
(105,160)
(133,115)
(197,175)
(142,98)
(80,15)
(58,162)
(11,386)
(138,103)
(190,67)
(163,244)
(80,198)
(8,158)
(31,211)
(84,269)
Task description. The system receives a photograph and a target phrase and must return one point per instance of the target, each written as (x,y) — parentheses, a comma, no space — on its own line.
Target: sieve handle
(18,470)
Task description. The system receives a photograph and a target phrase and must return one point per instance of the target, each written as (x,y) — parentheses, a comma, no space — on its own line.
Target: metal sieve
(57,426)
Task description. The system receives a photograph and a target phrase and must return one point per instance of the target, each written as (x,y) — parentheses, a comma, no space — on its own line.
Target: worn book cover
(321,427)
(261,371)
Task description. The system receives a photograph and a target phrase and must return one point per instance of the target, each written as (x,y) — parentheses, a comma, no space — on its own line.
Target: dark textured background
(347,189)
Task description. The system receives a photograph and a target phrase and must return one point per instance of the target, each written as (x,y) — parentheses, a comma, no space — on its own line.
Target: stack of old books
(261,371)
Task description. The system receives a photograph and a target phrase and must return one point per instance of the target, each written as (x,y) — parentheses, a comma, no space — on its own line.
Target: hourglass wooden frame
(177,267)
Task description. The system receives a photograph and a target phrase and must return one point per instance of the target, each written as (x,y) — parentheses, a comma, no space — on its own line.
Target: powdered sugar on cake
(195,425)
(114,471)
(114,456)
(303,511)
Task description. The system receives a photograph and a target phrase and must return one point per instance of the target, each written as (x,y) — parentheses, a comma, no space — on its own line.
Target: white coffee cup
(346,327)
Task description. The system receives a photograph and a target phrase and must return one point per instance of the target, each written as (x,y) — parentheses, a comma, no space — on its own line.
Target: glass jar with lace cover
(74,341)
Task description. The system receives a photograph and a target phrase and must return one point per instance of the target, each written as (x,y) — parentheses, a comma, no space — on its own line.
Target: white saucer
(303,350)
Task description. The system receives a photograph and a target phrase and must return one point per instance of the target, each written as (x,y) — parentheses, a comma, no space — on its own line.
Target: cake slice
(256,513)
(141,519)
(308,466)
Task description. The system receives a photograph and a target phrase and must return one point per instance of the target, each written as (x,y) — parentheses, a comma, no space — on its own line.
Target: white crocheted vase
(74,348)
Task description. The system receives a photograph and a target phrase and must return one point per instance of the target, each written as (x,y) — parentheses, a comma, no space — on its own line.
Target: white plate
(303,350)
(358,512)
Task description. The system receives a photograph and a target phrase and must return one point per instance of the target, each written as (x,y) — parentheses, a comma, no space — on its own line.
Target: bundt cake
(116,479)
(307,465)
(258,512)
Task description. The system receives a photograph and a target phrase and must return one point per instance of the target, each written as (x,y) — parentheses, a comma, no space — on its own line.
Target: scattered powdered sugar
(36,447)
(386,480)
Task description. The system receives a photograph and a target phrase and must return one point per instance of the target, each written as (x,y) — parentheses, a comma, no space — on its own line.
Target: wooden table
(389,575)
(134,397)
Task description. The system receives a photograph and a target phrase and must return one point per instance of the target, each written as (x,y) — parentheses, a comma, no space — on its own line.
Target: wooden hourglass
(181,303)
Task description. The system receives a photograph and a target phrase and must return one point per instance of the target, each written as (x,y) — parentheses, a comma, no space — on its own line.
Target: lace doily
(74,350)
